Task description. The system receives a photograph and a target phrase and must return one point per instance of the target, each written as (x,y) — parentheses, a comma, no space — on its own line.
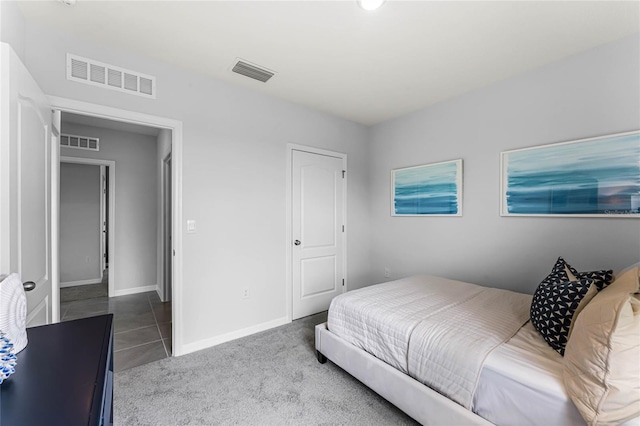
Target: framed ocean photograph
(429,190)
(595,177)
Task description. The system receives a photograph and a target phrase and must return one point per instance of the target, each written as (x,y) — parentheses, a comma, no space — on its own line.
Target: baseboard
(81,282)
(213,341)
(160,292)
(134,290)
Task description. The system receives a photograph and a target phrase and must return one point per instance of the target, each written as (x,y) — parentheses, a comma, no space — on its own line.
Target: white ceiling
(335,57)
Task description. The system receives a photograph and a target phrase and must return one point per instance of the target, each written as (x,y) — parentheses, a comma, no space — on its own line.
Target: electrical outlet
(387,273)
(245,293)
(87,259)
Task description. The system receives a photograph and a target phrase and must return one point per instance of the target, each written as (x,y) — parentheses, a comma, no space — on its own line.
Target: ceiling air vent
(79,142)
(96,73)
(252,71)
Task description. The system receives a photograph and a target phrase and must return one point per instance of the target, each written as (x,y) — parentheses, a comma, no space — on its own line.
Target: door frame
(104,203)
(112,208)
(289,218)
(166,227)
(176,127)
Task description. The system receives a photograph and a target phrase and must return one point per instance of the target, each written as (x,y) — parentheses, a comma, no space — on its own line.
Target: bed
(449,352)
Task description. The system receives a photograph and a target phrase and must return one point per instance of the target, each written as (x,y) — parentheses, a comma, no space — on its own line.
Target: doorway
(84,229)
(142,319)
(175,138)
(317,231)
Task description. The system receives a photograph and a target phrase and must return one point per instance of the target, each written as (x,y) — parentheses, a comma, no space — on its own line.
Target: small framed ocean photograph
(595,177)
(428,190)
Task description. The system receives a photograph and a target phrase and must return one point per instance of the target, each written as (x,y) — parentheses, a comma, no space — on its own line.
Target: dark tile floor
(142,325)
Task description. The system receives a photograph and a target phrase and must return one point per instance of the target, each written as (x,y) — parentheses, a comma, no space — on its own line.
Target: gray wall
(13,27)
(234,177)
(590,94)
(80,230)
(135,250)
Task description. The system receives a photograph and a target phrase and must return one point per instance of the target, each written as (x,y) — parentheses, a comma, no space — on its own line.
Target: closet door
(318,186)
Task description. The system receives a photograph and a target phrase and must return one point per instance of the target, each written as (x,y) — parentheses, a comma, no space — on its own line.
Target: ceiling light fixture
(370,4)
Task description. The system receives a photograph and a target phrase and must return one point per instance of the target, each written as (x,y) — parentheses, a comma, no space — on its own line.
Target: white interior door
(25,185)
(318,231)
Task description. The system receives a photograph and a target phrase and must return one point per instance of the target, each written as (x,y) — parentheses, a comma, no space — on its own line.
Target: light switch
(191,226)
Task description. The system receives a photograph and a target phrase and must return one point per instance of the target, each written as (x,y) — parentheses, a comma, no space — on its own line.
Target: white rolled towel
(13,311)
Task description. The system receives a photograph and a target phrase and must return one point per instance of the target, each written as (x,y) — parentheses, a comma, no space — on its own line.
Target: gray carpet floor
(270,378)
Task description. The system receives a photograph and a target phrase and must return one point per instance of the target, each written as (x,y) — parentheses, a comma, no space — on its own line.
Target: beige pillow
(602,357)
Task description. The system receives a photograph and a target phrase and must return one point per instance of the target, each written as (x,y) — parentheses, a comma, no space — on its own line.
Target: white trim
(18,175)
(103,218)
(95,110)
(289,218)
(112,210)
(163,250)
(55,220)
(217,340)
(80,282)
(135,290)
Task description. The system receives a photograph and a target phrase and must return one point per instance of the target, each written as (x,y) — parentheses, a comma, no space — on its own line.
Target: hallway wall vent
(79,142)
(250,70)
(107,76)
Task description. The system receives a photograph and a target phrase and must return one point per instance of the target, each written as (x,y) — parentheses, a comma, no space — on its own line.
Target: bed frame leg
(321,358)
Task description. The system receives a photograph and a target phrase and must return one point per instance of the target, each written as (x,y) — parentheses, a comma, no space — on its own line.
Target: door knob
(296,242)
(28,285)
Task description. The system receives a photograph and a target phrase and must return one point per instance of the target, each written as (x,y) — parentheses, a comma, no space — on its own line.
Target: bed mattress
(521,382)
(380,319)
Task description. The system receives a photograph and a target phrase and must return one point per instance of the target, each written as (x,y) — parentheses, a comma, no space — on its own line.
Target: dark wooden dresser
(63,377)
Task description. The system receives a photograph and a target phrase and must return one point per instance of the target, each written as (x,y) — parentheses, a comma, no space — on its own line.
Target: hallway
(142,323)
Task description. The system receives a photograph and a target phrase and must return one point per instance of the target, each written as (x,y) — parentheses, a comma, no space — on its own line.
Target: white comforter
(439,331)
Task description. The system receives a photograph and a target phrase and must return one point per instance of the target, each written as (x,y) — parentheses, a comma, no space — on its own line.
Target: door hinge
(342,228)
(343,282)
(174,252)
(343,172)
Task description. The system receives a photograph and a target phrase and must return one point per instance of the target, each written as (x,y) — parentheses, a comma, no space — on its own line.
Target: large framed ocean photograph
(427,190)
(595,177)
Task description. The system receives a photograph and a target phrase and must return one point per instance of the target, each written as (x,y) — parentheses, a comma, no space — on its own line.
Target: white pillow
(602,358)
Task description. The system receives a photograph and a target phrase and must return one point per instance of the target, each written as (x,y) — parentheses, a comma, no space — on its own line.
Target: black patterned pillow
(602,278)
(554,307)
(561,266)
(562,270)
(558,273)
